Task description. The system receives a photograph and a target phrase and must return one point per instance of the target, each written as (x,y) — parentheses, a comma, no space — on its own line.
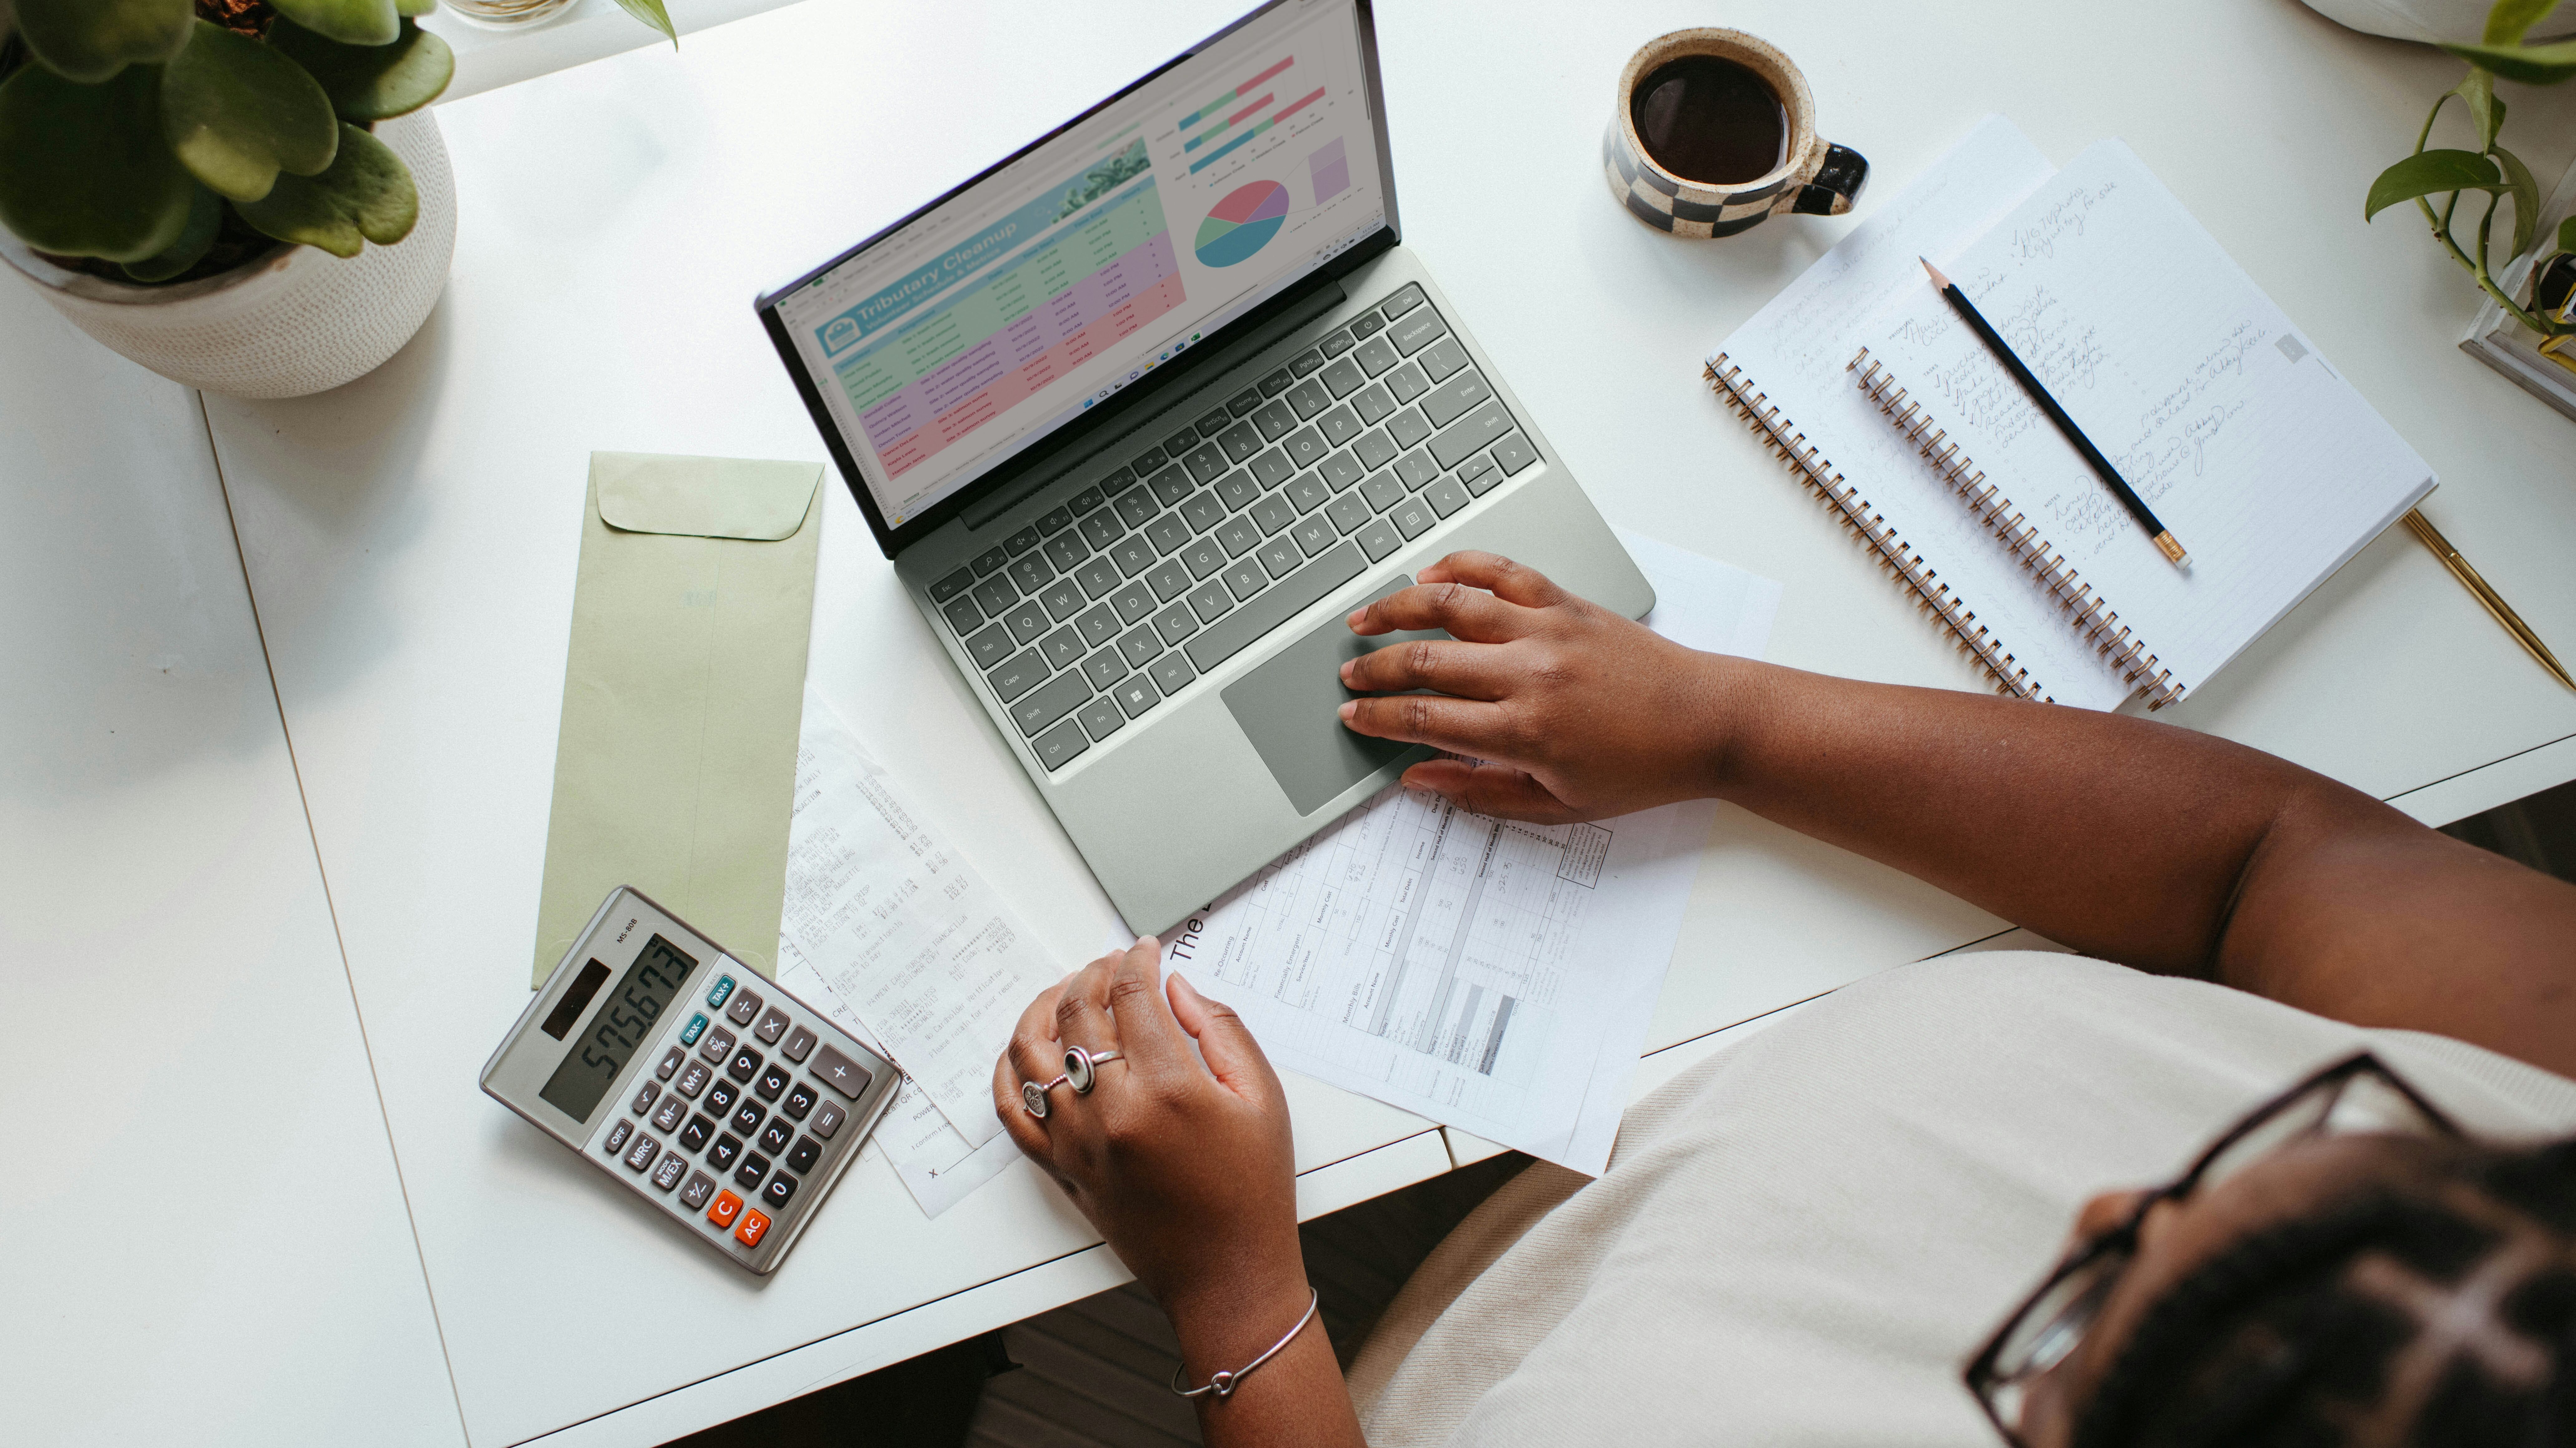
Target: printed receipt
(937,1165)
(901,928)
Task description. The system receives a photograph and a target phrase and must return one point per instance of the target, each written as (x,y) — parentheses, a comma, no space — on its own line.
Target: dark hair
(2273,1343)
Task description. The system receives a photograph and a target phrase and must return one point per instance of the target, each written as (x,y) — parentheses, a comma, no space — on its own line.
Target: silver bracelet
(1224,1384)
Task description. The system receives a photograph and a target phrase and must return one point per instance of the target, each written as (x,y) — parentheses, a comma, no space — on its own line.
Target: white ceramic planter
(295,322)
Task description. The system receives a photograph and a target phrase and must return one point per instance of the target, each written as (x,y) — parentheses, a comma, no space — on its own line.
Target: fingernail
(1349,710)
(1347,666)
(1356,615)
(1150,942)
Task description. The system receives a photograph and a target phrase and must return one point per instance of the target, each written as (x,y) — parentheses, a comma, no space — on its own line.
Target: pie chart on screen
(1242,223)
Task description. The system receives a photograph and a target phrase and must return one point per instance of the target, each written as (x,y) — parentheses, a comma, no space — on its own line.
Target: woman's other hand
(1577,713)
(1186,1168)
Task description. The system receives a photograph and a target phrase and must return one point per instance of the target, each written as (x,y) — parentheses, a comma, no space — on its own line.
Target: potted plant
(243,195)
(2439,180)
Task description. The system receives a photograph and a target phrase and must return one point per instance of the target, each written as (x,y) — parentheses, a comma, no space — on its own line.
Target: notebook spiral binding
(1853,511)
(2092,615)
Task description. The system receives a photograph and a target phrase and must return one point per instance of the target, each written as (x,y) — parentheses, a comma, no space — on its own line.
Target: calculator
(726,1102)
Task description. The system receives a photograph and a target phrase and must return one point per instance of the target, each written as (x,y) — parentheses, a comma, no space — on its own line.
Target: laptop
(1142,412)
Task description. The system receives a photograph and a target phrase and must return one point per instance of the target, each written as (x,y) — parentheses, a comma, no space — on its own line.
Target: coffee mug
(1715,131)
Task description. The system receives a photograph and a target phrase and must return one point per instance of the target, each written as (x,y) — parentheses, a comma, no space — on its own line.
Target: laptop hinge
(1001,500)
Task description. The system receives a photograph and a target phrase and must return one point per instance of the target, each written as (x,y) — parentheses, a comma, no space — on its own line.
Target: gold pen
(2461,569)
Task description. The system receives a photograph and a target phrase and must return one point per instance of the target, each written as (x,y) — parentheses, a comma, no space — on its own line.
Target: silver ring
(1078,1064)
(1033,1097)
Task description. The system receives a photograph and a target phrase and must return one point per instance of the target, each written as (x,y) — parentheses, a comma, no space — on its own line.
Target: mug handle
(1836,185)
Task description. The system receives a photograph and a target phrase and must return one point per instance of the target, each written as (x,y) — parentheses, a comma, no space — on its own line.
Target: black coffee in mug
(1709,119)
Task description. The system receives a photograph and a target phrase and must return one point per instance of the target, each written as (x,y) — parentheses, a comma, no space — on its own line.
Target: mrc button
(840,1072)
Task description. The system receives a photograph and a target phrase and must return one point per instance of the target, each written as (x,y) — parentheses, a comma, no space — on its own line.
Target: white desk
(410,542)
(207,1240)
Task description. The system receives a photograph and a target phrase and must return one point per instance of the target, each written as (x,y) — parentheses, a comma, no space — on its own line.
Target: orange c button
(722,1213)
(754,1227)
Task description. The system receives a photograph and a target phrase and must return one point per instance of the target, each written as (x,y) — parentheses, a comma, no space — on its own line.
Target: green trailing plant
(160,140)
(2440,180)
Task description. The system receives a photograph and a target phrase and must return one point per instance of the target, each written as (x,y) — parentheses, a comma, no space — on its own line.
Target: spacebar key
(1229,635)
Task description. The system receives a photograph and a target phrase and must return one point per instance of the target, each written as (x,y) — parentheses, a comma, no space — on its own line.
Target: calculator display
(650,985)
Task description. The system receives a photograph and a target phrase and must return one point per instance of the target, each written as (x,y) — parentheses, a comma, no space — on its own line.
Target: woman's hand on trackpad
(1577,712)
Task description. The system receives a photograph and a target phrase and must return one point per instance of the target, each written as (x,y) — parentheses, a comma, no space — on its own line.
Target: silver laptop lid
(1049,295)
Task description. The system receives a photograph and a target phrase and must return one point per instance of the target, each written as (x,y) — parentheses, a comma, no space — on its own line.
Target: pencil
(2422,527)
(2138,509)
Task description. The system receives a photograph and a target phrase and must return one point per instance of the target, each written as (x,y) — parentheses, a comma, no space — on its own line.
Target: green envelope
(684,687)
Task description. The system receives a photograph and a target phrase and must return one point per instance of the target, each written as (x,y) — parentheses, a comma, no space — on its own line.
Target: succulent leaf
(350,22)
(415,7)
(371,82)
(366,195)
(652,13)
(237,112)
(205,218)
(91,40)
(84,170)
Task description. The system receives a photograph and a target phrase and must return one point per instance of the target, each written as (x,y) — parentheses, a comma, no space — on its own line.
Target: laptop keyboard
(1221,530)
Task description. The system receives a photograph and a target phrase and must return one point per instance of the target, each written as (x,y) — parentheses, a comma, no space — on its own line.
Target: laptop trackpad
(1286,706)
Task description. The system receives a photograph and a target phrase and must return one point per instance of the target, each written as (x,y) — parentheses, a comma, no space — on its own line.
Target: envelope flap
(704,497)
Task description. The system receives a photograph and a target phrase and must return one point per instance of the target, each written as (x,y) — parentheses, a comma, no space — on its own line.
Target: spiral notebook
(2224,416)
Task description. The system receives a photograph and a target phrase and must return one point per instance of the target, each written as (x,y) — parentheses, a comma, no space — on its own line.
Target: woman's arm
(2135,841)
(1187,1169)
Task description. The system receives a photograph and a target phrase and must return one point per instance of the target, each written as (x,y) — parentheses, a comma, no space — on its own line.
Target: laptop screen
(951,343)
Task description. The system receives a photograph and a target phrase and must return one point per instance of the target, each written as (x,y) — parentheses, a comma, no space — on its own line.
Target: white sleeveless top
(1801,1240)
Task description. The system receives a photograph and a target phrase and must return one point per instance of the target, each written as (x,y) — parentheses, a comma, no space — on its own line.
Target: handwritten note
(2217,411)
(1795,350)
(902,928)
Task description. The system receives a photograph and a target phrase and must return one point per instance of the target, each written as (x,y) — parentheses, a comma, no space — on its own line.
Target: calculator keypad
(721,1155)
(800,1044)
(700,1190)
(725,1110)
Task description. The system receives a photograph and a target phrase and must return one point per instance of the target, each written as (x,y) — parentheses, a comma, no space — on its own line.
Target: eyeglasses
(2355,1095)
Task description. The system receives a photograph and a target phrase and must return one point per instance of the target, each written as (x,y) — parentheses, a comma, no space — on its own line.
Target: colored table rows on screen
(1013,365)
(1028,285)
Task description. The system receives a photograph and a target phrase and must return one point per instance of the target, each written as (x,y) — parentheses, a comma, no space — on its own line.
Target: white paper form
(2215,408)
(936,1164)
(1797,348)
(1490,975)
(904,931)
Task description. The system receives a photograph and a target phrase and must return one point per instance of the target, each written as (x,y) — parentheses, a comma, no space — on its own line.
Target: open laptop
(1143,411)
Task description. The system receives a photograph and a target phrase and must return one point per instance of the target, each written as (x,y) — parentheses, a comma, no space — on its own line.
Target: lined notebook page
(1795,349)
(2222,415)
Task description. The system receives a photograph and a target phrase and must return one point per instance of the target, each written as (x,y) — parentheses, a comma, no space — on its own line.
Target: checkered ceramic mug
(1691,91)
